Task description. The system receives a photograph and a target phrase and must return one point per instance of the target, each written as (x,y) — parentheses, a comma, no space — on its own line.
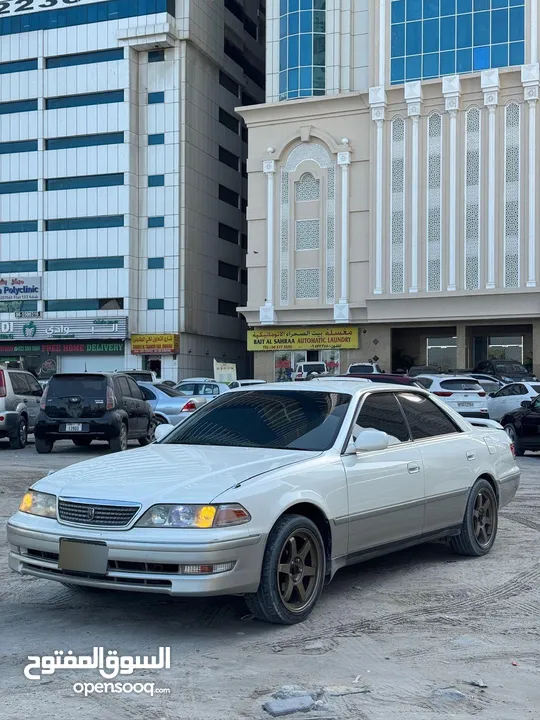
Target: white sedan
(267,492)
(510,398)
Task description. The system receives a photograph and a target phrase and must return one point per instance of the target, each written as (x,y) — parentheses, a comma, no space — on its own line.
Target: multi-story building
(123,181)
(393,196)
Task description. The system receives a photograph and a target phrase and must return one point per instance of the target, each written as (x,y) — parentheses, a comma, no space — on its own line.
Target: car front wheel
(511,431)
(480,523)
(17,441)
(293,572)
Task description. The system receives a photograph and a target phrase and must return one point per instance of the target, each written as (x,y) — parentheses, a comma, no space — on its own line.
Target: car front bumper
(8,423)
(34,546)
(509,486)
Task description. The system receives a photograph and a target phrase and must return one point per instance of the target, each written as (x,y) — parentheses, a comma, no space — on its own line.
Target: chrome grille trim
(96,513)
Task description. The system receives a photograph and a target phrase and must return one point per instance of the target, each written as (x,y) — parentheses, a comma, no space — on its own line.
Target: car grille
(96,514)
(116,565)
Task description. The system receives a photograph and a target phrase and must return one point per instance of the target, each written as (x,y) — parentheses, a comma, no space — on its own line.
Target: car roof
(347,386)
(442,376)
(88,374)
(197,379)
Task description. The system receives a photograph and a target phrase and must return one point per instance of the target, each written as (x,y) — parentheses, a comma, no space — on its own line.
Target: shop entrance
(152,363)
(286,361)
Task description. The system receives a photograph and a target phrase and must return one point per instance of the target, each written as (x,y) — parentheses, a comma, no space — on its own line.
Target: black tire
(17,441)
(44,445)
(120,443)
(482,511)
(269,602)
(147,439)
(511,431)
(82,442)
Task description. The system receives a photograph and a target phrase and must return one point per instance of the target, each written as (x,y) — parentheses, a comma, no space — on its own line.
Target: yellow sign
(315,338)
(154,344)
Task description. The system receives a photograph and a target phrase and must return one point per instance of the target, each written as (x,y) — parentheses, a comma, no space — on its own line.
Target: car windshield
(171,392)
(85,385)
(284,420)
(510,367)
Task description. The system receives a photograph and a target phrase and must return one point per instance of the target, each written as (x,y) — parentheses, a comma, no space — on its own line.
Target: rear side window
(424,382)
(79,385)
(189,388)
(211,390)
(124,387)
(458,385)
(35,387)
(20,383)
(380,411)
(147,394)
(134,389)
(424,417)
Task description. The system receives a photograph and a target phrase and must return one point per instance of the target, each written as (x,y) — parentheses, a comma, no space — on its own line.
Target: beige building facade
(406,212)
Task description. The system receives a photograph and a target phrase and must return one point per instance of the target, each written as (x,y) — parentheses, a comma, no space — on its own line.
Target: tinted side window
(135,389)
(123,386)
(35,387)
(504,392)
(424,417)
(380,411)
(211,390)
(520,390)
(147,394)
(187,388)
(20,386)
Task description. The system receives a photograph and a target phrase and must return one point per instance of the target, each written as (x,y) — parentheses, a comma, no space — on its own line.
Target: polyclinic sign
(313,338)
(17,289)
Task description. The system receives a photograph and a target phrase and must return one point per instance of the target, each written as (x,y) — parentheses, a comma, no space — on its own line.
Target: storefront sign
(72,328)
(224,372)
(155,344)
(13,289)
(12,7)
(62,348)
(316,338)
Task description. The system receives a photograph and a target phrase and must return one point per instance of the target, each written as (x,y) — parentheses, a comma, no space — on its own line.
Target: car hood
(167,473)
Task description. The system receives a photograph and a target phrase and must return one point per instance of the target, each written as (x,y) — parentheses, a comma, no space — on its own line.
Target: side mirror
(526,404)
(371,440)
(491,394)
(162,431)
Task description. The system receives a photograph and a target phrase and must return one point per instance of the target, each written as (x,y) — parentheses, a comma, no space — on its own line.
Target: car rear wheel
(292,574)
(120,443)
(18,440)
(479,528)
(511,431)
(44,445)
(147,439)
(82,442)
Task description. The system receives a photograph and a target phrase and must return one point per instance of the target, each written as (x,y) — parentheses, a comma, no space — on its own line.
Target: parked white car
(267,493)
(235,384)
(304,370)
(206,388)
(366,368)
(510,398)
(463,394)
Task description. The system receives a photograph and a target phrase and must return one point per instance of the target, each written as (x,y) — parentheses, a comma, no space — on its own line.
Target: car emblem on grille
(90,513)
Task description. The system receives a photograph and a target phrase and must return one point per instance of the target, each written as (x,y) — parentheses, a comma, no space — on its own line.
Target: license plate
(73,427)
(466,404)
(84,557)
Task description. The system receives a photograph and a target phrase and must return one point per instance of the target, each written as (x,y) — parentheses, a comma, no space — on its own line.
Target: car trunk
(462,394)
(77,396)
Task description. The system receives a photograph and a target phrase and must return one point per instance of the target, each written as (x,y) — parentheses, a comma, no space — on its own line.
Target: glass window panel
(6,108)
(448,33)
(306,78)
(481,28)
(499,26)
(18,186)
(156,222)
(84,141)
(306,4)
(292,94)
(319,44)
(85,58)
(499,3)
(18,266)
(464,31)
(499,55)
(517,53)
(294,5)
(464,61)
(282,82)
(18,146)
(156,56)
(306,49)
(306,21)
(398,11)
(84,181)
(293,80)
(448,7)
(85,223)
(319,22)
(464,6)
(319,78)
(18,226)
(100,98)
(18,66)
(414,38)
(283,26)
(157,139)
(156,97)
(431,36)
(516,2)
(306,93)
(156,180)
(156,304)
(431,9)
(448,62)
(319,4)
(282,7)
(87,263)
(431,65)
(293,51)
(398,40)
(414,9)
(294,23)
(397,70)
(517,28)
(157,263)
(481,58)
(481,5)
(414,67)
(283,54)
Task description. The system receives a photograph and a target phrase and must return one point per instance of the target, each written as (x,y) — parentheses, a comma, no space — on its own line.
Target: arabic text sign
(66,329)
(224,372)
(13,289)
(316,338)
(167,344)
(20,8)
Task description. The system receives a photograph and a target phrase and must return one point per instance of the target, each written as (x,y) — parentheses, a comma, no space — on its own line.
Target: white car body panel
(505,400)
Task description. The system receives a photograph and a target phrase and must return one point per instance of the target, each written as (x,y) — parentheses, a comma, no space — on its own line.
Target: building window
(226,307)
(85,223)
(19,146)
(511,195)
(156,180)
(76,141)
(228,196)
(243,241)
(228,83)
(429,40)
(156,222)
(228,120)
(18,226)
(308,284)
(157,263)
(307,189)
(472,199)
(228,158)
(226,232)
(87,58)
(18,66)
(18,306)
(19,186)
(154,98)
(156,56)
(84,304)
(434,203)
(397,220)
(17,266)
(85,181)
(18,106)
(156,304)
(226,270)
(157,139)
(68,101)
(302,48)
(87,263)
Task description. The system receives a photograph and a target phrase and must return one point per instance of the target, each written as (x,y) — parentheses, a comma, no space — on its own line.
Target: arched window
(308,188)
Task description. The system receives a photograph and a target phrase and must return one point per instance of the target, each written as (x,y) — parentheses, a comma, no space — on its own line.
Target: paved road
(406,627)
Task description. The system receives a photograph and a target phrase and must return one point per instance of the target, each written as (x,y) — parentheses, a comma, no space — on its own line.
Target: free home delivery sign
(14,289)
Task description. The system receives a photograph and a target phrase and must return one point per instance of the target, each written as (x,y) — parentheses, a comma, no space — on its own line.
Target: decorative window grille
(434,203)
(308,234)
(472,199)
(397,229)
(308,188)
(308,284)
(511,195)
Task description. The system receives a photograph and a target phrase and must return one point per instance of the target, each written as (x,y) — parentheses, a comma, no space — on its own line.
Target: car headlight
(39,503)
(194,516)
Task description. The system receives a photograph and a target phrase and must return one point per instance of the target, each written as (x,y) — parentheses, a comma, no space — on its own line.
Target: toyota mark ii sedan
(266,493)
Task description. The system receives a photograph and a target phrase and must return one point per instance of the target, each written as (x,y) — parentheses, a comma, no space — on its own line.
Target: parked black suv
(523,426)
(93,406)
(506,370)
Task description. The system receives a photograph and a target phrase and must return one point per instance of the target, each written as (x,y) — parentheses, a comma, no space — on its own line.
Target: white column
(490,86)
(267,314)
(377,100)
(530,77)
(413,96)
(451,91)
(341,310)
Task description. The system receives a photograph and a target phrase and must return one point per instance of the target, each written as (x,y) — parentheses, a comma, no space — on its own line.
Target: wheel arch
(317,516)
(162,418)
(494,484)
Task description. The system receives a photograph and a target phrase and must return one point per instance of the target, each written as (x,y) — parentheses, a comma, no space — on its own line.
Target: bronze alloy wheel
(483,518)
(298,571)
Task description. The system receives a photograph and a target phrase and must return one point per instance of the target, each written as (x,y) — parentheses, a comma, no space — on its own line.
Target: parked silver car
(169,405)
(20,397)
(207,388)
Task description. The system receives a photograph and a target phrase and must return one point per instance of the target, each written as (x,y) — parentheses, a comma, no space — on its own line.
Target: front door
(34,399)
(386,487)
(530,423)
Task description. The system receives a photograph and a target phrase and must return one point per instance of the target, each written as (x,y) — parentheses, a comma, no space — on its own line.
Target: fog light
(207,569)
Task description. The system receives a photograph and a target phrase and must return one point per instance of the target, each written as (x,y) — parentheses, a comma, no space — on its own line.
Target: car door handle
(471,455)
(413,468)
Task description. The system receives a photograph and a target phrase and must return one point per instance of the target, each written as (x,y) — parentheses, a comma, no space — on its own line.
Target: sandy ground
(399,637)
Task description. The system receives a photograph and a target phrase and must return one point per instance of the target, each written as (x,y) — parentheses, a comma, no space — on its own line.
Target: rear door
(21,392)
(76,396)
(127,403)
(34,398)
(142,409)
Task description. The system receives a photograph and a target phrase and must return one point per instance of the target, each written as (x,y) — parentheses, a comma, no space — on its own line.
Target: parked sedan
(460,392)
(168,405)
(510,398)
(523,426)
(266,493)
